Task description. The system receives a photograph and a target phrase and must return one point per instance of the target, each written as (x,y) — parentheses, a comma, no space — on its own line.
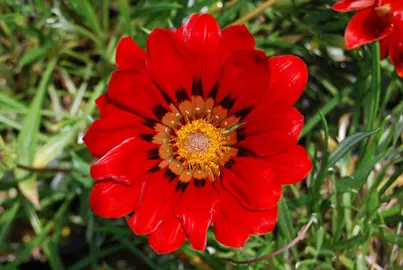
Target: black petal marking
(154,169)
(149,122)
(164,95)
(227,102)
(229,164)
(153,154)
(159,111)
(243,113)
(147,137)
(200,183)
(181,186)
(240,134)
(170,175)
(213,92)
(197,87)
(243,152)
(181,95)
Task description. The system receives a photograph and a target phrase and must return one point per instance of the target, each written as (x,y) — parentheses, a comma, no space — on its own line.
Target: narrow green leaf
(347,144)
(125,16)
(354,241)
(86,11)
(33,54)
(6,219)
(316,118)
(24,253)
(54,147)
(26,140)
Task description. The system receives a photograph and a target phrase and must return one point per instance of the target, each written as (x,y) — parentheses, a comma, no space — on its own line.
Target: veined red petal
(108,132)
(292,166)
(236,38)
(110,199)
(272,129)
(351,5)
(167,62)
(251,181)
(134,92)
(241,219)
(288,76)
(124,163)
(244,78)
(195,211)
(129,55)
(169,235)
(201,35)
(158,197)
(365,27)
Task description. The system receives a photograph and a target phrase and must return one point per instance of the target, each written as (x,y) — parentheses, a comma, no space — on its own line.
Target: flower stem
(376,85)
(42,170)
(244,19)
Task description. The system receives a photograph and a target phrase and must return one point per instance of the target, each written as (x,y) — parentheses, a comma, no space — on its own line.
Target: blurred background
(56,57)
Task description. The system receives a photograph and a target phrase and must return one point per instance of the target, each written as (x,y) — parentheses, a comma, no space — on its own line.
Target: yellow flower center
(200,144)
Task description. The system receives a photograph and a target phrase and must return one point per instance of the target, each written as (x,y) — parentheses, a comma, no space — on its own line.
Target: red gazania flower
(199,130)
(376,20)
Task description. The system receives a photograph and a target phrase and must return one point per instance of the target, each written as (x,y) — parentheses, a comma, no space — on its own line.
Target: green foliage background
(55,60)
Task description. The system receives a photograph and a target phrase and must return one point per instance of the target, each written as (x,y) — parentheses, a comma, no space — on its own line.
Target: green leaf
(33,54)
(346,145)
(327,107)
(354,241)
(125,16)
(26,140)
(6,219)
(39,238)
(54,147)
(86,11)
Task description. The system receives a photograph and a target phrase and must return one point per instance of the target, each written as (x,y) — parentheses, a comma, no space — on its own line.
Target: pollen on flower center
(197,143)
(200,144)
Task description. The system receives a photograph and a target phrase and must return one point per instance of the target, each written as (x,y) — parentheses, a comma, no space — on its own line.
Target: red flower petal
(251,182)
(244,78)
(365,27)
(134,92)
(167,62)
(201,35)
(288,76)
(106,108)
(129,55)
(157,198)
(108,132)
(272,129)
(195,211)
(291,166)
(109,199)
(102,103)
(385,44)
(240,219)
(351,5)
(124,163)
(397,14)
(168,237)
(226,232)
(396,54)
(236,38)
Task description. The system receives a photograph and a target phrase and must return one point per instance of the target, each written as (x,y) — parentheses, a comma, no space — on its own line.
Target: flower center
(200,144)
